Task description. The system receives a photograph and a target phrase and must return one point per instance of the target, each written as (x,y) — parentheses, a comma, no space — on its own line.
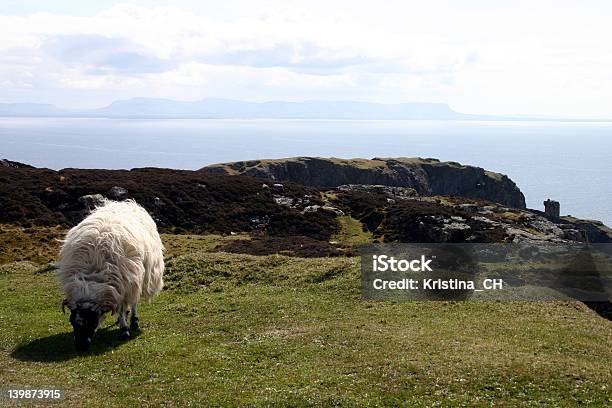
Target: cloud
(482,57)
(99,55)
(302,57)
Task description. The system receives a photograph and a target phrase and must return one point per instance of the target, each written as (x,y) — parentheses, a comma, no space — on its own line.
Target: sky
(537,57)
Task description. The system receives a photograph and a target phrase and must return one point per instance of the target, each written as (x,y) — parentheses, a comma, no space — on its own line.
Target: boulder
(117,193)
(91,201)
(328,208)
(158,202)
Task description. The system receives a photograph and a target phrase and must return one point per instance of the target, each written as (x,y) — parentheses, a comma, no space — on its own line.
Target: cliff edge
(426,176)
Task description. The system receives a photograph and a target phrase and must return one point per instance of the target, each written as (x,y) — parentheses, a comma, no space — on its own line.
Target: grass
(38,245)
(351,232)
(513,216)
(241,330)
(41,245)
(189,243)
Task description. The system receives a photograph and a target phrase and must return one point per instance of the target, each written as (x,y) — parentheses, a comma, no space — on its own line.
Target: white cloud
(481,56)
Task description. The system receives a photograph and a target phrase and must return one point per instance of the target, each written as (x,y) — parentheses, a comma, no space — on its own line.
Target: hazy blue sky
(503,57)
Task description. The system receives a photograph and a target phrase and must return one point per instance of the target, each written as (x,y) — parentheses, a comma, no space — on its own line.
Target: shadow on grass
(60,347)
(604,309)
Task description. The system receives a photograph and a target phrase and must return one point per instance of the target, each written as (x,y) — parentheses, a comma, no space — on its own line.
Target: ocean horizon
(564,161)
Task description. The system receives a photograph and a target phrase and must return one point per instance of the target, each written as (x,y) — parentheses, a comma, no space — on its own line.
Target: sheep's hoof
(134,326)
(124,334)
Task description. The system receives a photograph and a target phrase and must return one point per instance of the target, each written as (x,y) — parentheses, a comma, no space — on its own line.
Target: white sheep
(109,261)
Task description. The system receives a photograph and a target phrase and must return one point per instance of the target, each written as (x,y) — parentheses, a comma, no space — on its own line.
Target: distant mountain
(215,108)
(227,108)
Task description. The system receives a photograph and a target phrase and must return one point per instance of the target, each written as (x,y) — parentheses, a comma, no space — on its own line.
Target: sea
(565,161)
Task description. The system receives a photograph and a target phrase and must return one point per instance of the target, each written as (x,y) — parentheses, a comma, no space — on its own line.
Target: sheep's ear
(64,304)
(106,302)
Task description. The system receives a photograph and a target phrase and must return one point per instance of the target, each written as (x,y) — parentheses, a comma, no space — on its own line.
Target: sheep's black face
(85,323)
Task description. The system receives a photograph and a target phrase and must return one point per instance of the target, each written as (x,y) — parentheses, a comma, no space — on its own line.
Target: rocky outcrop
(425,176)
(200,202)
(594,231)
(392,216)
(13,164)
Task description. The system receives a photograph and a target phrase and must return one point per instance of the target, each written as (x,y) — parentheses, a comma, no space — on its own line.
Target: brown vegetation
(180,201)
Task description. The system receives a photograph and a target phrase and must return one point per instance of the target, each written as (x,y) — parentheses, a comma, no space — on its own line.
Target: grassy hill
(237,329)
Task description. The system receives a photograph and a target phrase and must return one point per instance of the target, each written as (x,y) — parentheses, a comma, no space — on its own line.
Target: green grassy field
(236,330)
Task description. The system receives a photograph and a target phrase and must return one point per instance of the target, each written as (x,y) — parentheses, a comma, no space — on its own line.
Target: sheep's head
(85,318)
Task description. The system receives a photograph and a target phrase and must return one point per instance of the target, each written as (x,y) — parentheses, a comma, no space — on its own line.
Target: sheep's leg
(124,333)
(134,326)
